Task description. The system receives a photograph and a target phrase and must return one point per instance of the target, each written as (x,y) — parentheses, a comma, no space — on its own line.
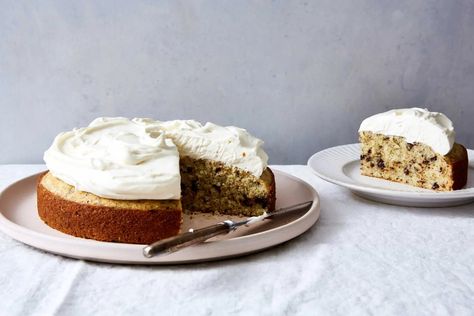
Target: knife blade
(175,243)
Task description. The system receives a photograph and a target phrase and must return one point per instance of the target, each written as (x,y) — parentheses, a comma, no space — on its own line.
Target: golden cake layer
(86,215)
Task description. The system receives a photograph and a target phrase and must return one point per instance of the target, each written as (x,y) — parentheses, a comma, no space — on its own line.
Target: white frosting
(124,159)
(231,145)
(117,158)
(415,125)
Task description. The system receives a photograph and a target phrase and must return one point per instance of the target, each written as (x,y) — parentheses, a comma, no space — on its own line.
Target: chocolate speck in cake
(409,146)
(194,185)
(247,202)
(435,186)
(406,171)
(262,201)
(380,164)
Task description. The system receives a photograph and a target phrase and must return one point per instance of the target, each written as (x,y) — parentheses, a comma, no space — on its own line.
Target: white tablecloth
(361,257)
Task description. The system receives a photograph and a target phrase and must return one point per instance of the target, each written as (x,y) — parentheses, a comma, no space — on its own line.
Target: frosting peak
(415,125)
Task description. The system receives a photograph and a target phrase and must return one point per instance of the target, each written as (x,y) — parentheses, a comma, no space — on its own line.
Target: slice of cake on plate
(413,146)
(124,180)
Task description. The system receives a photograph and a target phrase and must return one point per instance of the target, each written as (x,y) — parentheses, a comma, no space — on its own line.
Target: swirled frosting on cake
(230,145)
(136,159)
(117,158)
(415,125)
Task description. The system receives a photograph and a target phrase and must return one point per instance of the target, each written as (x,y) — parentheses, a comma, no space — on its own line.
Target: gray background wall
(299,74)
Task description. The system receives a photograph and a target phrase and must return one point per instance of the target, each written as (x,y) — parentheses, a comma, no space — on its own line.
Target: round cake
(122,180)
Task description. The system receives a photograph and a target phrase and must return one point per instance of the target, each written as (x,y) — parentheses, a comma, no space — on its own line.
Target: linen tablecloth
(360,258)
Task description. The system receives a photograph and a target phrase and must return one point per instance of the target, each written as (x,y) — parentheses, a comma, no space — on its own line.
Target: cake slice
(415,147)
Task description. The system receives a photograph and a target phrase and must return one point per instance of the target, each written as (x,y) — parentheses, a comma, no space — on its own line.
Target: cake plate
(19,219)
(340,165)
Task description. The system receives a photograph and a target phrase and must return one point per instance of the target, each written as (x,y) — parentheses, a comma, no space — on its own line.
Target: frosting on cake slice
(416,125)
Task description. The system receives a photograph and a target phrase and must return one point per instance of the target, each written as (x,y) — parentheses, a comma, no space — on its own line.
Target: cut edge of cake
(212,186)
(392,158)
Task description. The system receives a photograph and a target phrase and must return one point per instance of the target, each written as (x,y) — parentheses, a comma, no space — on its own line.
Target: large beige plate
(19,219)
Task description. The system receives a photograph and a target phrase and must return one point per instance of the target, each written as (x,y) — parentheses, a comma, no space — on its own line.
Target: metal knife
(192,237)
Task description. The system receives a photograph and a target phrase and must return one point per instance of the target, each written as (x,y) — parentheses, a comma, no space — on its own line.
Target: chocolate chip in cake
(194,185)
(248,202)
(406,171)
(380,164)
(262,201)
(362,157)
(409,146)
(369,151)
(434,158)
(372,165)
(218,169)
(435,186)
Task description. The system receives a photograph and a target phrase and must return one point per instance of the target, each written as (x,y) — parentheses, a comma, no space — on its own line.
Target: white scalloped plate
(19,219)
(340,165)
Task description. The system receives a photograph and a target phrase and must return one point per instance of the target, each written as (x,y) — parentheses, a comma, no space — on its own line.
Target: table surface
(361,257)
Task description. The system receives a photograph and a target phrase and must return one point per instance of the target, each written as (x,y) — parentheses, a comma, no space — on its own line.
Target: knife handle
(175,243)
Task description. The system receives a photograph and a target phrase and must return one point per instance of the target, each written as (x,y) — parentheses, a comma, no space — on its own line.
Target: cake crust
(80,214)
